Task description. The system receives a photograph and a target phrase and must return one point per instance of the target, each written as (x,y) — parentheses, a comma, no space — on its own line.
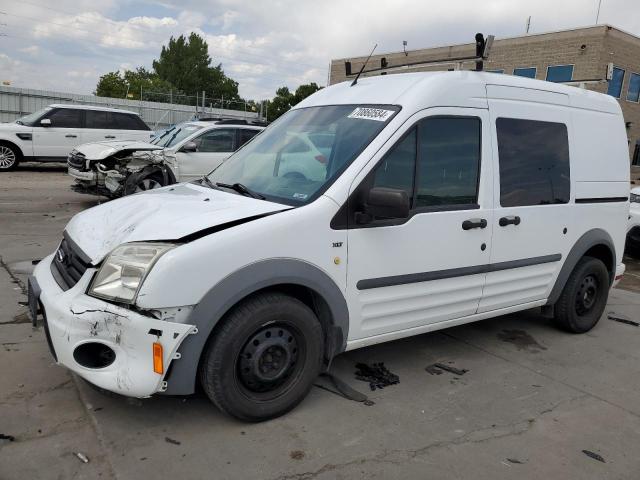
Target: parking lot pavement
(533,401)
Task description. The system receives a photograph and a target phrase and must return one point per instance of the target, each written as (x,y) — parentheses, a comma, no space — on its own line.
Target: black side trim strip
(453,272)
(602,200)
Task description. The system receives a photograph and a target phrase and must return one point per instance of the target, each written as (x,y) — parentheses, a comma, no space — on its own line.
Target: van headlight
(123,271)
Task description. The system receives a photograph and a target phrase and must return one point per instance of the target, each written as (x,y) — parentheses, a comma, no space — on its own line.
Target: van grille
(77,160)
(67,266)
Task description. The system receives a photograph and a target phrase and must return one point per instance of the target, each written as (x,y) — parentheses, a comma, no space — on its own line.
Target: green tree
(111,85)
(133,83)
(185,63)
(284,99)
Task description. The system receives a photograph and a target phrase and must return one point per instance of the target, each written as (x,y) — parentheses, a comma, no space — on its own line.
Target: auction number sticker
(367,113)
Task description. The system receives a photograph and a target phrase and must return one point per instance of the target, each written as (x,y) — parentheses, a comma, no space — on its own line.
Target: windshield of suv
(299,156)
(32,118)
(175,135)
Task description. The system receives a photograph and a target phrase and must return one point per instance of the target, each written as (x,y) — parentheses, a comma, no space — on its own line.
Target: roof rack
(483,47)
(233,121)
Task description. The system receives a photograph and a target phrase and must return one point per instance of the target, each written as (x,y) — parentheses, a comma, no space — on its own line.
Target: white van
(48,135)
(446,198)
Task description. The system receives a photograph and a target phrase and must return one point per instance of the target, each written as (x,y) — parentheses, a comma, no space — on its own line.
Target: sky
(67,45)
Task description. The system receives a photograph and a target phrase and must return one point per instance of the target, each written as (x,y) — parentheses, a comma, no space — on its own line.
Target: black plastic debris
(436,369)
(594,455)
(172,441)
(623,320)
(376,374)
(329,382)
(514,460)
(10,438)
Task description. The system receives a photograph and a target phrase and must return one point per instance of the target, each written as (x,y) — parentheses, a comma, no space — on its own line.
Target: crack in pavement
(13,276)
(398,457)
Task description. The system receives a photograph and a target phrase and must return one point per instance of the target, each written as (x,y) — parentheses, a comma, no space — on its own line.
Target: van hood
(169,213)
(102,150)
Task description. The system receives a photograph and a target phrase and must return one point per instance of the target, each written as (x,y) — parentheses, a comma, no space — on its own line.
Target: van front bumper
(72,318)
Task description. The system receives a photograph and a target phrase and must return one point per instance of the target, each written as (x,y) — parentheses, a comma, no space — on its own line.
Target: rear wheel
(9,157)
(584,297)
(263,360)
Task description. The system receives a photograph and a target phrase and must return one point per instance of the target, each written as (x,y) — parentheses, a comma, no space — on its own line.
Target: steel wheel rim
(587,295)
(268,361)
(7,157)
(147,184)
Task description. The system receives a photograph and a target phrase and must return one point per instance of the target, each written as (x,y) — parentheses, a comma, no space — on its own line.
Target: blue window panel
(560,73)
(615,84)
(529,72)
(499,70)
(633,94)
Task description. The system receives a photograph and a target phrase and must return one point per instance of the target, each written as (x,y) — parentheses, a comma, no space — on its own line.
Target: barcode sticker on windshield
(366,113)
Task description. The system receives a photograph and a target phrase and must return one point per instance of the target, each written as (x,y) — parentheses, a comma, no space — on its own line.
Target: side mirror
(189,147)
(45,122)
(385,203)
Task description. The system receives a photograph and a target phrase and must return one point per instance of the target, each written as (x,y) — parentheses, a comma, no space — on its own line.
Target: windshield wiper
(241,189)
(209,183)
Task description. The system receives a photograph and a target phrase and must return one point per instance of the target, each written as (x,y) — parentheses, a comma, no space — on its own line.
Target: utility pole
(528,25)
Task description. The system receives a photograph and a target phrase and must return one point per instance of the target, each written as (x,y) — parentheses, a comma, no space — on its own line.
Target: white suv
(182,153)
(48,135)
(445,198)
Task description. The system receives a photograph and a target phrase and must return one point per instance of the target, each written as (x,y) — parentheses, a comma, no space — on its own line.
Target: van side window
(449,161)
(534,162)
(397,168)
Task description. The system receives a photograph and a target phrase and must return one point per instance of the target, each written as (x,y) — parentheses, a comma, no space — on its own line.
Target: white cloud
(33,50)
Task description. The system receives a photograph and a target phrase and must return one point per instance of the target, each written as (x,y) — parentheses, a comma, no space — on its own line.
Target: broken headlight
(123,271)
(635,198)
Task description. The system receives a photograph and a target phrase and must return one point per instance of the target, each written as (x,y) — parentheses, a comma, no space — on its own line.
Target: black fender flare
(181,379)
(590,239)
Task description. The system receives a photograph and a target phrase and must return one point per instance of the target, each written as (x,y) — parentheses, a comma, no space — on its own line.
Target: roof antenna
(364,65)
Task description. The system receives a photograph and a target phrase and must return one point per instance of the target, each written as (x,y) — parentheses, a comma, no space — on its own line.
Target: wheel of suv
(264,359)
(149,182)
(9,157)
(584,297)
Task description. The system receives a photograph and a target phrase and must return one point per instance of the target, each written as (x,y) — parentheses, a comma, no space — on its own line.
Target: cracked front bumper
(74,318)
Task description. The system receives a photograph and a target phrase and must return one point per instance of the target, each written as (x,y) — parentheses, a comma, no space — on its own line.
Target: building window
(615,84)
(633,94)
(559,73)
(529,72)
(534,162)
(499,70)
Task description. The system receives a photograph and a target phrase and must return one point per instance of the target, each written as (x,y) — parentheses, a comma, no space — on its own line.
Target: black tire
(10,157)
(143,181)
(264,358)
(584,296)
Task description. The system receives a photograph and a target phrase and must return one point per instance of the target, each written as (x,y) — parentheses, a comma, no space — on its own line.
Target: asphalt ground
(534,403)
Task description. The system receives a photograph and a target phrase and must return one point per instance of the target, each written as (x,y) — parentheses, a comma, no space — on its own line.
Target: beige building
(579,56)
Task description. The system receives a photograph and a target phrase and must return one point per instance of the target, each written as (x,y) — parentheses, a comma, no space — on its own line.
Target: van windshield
(299,156)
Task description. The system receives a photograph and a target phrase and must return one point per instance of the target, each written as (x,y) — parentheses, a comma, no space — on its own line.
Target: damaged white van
(440,199)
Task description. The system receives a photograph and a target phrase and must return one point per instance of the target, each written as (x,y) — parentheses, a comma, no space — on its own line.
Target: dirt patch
(522,340)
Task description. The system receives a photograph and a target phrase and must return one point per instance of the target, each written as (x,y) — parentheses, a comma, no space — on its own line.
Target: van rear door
(532,185)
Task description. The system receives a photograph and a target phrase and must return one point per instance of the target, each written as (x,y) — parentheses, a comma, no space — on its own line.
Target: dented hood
(102,150)
(168,213)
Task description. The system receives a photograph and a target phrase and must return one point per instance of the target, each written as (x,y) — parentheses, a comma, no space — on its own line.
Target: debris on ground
(335,385)
(376,374)
(436,369)
(594,455)
(514,460)
(83,458)
(9,438)
(622,320)
(172,441)
(297,455)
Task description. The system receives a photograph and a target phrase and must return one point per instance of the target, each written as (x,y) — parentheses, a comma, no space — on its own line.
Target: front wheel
(264,359)
(584,296)
(9,157)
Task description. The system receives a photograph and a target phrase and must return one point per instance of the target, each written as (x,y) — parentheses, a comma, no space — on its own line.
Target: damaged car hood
(102,150)
(169,213)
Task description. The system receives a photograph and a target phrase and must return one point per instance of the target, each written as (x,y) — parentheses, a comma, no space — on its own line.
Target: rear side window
(534,162)
(448,161)
(98,119)
(127,121)
(246,135)
(66,118)
(114,121)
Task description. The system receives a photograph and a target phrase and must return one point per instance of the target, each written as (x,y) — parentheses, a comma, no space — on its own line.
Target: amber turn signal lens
(158,366)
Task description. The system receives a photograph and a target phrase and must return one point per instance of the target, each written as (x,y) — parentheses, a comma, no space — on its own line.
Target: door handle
(474,223)
(71,136)
(109,136)
(511,220)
